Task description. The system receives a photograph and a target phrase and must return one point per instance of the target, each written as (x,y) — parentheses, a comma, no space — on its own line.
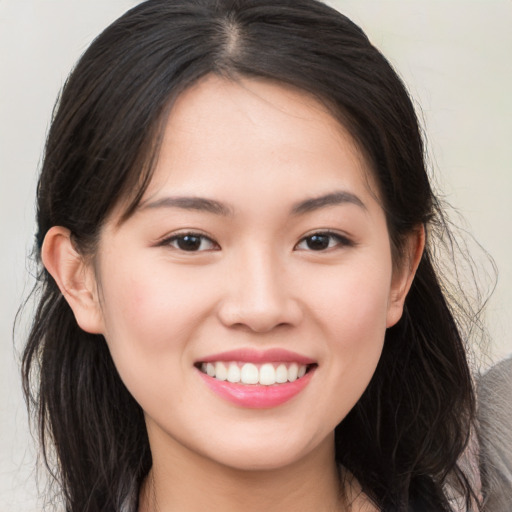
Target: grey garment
(495,436)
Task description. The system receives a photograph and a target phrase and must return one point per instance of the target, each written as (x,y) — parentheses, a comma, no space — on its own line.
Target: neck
(182,480)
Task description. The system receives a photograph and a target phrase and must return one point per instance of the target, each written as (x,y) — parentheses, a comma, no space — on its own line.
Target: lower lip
(254,396)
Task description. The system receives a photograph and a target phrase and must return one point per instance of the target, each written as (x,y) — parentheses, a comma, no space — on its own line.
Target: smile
(254,379)
(266,374)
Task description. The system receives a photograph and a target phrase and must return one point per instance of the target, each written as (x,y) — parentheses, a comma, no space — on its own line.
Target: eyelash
(182,236)
(340,241)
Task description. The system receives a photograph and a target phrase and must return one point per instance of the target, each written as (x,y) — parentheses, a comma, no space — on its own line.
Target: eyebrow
(190,203)
(332,199)
(216,207)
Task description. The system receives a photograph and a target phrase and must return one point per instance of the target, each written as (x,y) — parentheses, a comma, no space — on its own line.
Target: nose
(259,295)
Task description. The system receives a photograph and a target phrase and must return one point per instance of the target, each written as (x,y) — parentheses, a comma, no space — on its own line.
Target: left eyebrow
(332,199)
(190,203)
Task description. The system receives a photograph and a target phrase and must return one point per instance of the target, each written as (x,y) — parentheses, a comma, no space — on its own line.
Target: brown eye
(318,242)
(322,242)
(191,242)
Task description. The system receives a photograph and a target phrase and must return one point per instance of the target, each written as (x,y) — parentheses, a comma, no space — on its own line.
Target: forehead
(250,128)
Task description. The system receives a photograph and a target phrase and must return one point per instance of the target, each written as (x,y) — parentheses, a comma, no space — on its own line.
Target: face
(259,252)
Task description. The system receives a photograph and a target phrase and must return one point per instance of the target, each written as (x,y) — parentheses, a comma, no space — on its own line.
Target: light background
(455,56)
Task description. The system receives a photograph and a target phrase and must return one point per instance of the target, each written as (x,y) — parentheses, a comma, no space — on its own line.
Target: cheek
(354,302)
(357,329)
(149,306)
(353,317)
(151,319)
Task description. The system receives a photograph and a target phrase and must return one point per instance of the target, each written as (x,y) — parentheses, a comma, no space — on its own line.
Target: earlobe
(74,277)
(404,275)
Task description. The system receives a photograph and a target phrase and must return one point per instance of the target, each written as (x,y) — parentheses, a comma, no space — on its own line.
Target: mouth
(256,379)
(254,373)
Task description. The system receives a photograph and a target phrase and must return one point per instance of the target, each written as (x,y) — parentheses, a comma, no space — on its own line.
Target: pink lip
(256,396)
(273,355)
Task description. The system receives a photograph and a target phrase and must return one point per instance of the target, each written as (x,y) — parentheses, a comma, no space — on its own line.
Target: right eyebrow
(202,204)
(332,199)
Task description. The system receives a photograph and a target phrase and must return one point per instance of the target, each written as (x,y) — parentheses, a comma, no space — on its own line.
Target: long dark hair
(404,437)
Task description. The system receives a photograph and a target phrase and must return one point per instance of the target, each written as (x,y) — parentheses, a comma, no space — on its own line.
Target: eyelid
(168,239)
(342,239)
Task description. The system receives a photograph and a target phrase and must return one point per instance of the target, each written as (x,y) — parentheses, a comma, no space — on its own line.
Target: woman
(239,304)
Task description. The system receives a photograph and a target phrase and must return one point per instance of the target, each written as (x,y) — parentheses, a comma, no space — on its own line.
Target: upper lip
(249,355)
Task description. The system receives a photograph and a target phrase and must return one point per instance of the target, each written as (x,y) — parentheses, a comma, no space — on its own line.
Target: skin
(259,149)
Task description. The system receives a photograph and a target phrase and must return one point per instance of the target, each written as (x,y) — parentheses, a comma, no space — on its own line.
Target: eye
(191,242)
(322,241)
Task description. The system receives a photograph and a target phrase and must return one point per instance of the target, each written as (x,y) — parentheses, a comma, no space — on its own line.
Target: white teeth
(267,375)
(221,372)
(282,373)
(210,369)
(248,373)
(233,373)
(293,372)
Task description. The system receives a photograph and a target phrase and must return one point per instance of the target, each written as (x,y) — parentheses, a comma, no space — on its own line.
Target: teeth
(233,373)
(293,371)
(248,373)
(210,369)
(282,373)
(221,372)
(267,375)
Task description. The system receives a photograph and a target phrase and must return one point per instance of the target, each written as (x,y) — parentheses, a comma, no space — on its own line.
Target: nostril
(250,318)
(259,302)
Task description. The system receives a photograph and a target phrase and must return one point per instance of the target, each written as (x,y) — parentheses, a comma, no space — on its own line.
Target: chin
(265,453)
(257,461)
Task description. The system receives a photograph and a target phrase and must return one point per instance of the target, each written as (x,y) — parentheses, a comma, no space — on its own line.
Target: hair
(403,439)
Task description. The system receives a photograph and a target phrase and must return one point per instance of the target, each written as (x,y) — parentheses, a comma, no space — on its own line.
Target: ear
(74,277)
(404,273)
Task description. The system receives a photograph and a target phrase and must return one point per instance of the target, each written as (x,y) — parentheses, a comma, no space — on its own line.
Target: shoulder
(494,391)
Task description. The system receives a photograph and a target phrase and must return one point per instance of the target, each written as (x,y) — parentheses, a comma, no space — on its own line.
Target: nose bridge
(261,271)
(259,293)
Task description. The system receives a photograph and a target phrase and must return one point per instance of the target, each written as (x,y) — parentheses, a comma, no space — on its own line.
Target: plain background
(455,56)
